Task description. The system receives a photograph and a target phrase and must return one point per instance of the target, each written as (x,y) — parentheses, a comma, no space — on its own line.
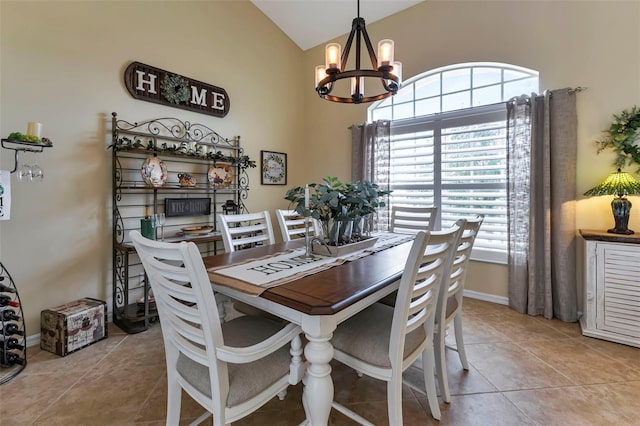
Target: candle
(306,196)
(34,128)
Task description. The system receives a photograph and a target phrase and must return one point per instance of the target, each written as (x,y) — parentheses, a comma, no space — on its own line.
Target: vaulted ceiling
(312,22)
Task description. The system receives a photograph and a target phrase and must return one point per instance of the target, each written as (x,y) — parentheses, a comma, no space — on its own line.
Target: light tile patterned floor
(524,371)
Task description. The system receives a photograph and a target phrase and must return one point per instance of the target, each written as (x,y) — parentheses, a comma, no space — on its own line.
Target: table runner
(254,276)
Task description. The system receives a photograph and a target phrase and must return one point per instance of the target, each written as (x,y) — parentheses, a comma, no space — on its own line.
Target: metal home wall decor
(156,85)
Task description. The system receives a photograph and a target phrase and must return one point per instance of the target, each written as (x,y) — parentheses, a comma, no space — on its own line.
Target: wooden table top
(333,289)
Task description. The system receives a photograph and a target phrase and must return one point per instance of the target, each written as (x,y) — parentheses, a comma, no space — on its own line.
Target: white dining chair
(292,225)
(230,369)
(450,305)
(383,341)
(240,230)
(409,220)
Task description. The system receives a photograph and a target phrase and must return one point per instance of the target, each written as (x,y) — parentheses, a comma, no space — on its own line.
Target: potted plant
(623,136)
(339,207)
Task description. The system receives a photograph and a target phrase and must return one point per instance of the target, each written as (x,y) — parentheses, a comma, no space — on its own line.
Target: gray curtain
(370,155)
(541,191)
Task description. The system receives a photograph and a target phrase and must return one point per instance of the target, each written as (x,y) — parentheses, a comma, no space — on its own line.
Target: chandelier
(383,67)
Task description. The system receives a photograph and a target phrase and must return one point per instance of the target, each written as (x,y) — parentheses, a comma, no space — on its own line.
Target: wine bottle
(9,315)
(7,358)
(5,289)
(11,329)
(146,224)
(7,301)
(11,343)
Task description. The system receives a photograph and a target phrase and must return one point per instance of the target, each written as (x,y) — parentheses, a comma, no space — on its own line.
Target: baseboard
(33,340)
(501,300)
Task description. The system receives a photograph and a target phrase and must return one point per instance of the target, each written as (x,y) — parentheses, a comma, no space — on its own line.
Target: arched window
(448,145)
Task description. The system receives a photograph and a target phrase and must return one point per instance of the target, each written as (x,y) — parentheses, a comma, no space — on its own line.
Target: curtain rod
(577,89)
(571,91)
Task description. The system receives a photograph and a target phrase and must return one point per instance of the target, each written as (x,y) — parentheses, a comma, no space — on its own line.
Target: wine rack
(13,347)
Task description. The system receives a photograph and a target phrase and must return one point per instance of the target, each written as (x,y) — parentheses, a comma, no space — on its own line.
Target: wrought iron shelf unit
(182,147)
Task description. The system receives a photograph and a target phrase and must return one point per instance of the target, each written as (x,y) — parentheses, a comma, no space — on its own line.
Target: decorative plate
(154,171)
(220,175)
(196,230)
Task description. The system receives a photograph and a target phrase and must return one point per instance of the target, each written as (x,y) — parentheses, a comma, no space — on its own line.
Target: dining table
(317,300)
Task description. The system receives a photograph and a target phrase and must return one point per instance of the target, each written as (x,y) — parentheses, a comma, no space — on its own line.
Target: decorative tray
(196,230)
(337,251)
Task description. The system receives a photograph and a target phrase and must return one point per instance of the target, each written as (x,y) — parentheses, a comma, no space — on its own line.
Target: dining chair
(239,230)
(230,369)
(292,225)
(382,341)
(449,306)
(409,220)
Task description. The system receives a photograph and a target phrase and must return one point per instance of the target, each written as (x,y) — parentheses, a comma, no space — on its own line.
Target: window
(448,145)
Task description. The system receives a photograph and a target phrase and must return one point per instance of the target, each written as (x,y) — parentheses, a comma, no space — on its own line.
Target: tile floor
(524,371)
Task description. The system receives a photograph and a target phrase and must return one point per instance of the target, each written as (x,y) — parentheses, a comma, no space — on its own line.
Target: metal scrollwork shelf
(150,161)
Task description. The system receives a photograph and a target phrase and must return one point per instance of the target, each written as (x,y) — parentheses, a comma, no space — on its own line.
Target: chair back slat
(292,225)
(240,230)
(410,220)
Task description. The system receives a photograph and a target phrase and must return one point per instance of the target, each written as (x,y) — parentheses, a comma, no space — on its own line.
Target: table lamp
(620,184)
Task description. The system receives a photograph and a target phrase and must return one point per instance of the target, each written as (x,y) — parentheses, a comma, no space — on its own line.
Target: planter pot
(337,232)
(337,251)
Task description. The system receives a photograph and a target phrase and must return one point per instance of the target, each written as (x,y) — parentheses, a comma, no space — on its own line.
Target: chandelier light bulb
(332,56)
(321,73)
(385,52)
(357,89)
(397,71)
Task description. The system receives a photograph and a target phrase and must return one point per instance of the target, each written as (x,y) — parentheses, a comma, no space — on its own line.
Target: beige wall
(571,43)
(61,64)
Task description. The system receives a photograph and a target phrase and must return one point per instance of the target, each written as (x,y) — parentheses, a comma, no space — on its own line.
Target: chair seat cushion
(366,336)
(245,380)
(452,305)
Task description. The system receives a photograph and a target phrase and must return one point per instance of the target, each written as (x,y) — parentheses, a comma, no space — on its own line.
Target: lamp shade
(618,183)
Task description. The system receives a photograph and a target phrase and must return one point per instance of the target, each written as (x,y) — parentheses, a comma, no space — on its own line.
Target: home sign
(156,85)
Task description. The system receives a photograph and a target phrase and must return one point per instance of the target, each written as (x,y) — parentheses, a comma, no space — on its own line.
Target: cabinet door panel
(618,305)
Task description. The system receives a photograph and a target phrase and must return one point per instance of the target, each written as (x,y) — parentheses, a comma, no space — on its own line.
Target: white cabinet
(611,308)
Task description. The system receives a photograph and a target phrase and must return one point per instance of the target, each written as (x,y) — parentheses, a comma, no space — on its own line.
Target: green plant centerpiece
(343,209)
(623,136)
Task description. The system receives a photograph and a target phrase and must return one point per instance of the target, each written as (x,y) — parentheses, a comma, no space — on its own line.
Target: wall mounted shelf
(19,146)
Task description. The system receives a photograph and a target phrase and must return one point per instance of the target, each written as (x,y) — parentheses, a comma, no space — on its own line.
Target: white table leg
(318,386)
